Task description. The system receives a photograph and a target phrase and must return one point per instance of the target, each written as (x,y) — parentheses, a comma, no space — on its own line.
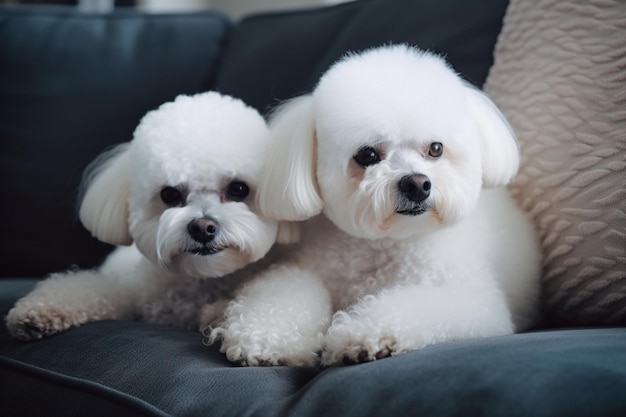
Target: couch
(73,84)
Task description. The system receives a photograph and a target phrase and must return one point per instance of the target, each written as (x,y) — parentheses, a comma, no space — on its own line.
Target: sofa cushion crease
(54,388)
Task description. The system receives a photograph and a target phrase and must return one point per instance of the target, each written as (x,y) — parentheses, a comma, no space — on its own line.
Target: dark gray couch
(73,84)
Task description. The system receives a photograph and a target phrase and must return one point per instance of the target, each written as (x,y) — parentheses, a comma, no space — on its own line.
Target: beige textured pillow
(560,78)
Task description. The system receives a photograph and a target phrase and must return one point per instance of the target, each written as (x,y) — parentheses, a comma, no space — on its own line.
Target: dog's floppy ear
(288,188)
(498,144)
(105,190)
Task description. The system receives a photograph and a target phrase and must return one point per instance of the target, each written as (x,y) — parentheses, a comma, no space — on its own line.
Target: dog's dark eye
(171,196)
(367,156)
(237,191)
(435,150)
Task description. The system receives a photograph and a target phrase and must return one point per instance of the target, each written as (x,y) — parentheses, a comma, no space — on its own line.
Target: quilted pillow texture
(560,78)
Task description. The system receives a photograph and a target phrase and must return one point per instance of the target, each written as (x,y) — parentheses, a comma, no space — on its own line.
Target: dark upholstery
(273,57)
(73,84)
(123,368)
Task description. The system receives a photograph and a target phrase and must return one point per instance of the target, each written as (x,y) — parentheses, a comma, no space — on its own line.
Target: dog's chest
(353,267)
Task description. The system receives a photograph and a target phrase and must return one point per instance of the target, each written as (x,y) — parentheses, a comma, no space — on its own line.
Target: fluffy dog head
(391,143)
(183,189)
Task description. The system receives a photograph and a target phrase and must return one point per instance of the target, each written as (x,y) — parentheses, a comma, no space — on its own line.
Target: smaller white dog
(389,157)
(183,190)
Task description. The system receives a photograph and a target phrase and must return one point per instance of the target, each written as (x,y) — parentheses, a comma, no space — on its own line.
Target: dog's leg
(278,318)
(413,316)
(212,315)
(69,299)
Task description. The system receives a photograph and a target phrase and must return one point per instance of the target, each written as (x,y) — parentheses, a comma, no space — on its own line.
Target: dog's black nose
(415,187)
(202,230)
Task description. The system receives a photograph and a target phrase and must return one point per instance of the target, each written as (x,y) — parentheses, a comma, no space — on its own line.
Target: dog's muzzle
(414,191)
(203,231)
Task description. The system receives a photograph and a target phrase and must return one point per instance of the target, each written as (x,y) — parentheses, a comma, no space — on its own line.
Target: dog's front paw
(248,347)
(28,324)
(278,318)
(353,352)
(350,340)
(67,300)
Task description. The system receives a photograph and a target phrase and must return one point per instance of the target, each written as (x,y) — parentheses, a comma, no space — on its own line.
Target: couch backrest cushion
(275,56)
(71,85)
(560,78)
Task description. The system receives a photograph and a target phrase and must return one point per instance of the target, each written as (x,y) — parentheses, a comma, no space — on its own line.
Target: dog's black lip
(206,250)
(413,211)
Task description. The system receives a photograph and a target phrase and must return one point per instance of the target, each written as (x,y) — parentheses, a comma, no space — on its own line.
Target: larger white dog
(183,190)
(395,151)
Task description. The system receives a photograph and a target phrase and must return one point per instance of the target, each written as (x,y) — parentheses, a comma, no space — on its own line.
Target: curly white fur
(398,271)
(198,145)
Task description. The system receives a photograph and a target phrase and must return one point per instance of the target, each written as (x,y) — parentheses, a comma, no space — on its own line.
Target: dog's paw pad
(252,361)
(244,358)
(31,329)
(35,325)
(28,331)
(383,353)
(360,352)
(254,353)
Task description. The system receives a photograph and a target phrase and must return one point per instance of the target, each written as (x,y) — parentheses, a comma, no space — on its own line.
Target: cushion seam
(80,384)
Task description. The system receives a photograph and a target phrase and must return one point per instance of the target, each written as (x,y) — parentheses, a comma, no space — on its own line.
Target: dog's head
(391,143)
(184,188)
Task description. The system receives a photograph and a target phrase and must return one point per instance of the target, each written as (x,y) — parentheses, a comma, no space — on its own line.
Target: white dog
(395,151)
(183,190)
